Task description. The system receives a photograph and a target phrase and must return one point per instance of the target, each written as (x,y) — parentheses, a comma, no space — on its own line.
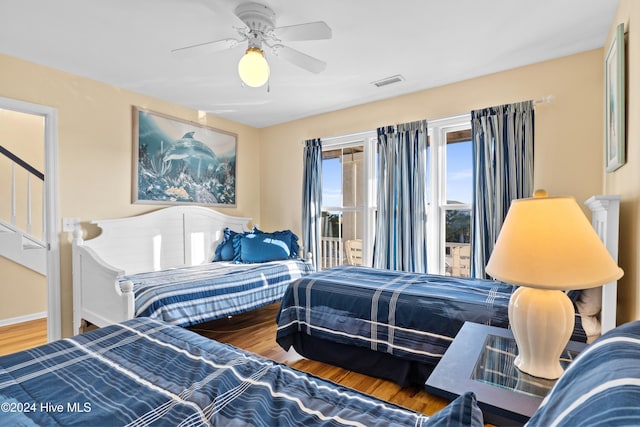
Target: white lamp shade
(253,68)
(548,243)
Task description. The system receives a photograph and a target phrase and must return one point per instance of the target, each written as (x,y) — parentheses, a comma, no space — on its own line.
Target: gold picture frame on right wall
(615,147)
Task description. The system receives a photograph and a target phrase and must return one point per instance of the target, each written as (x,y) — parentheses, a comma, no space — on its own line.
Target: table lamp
(546,246)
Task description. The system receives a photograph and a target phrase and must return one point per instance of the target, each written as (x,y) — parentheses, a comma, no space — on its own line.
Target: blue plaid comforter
(601,388)
(146,372)
(190,295)
(410,315)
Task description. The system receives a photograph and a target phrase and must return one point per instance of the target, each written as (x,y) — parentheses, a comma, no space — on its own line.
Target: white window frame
(368,141)
(437,130)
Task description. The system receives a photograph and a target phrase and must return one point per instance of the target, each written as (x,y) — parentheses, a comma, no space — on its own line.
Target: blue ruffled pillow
(286,236)
(260,246)
(224,251)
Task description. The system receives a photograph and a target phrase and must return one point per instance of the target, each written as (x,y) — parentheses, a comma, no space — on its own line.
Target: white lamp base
(542,322)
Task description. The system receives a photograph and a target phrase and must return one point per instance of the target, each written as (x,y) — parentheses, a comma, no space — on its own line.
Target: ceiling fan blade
(221,10)
(300,59)
(311,31)
(206,47)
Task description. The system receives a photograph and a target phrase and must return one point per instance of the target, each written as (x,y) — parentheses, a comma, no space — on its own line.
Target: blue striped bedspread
(146,372)
(410,315)
(191,295)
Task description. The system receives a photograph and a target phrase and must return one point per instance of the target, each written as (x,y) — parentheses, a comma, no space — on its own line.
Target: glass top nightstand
(480,359)
(495,367)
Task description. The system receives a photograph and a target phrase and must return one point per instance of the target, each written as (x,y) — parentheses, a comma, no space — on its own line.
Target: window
(450,184)
(348,196)
(348,199)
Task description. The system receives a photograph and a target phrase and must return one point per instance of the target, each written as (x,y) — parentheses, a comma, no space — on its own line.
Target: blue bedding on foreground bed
(146,372)
(601,388)
(190,295)
(410,316)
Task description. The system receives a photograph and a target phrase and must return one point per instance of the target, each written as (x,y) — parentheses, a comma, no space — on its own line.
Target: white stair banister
(13,193)
(16,244)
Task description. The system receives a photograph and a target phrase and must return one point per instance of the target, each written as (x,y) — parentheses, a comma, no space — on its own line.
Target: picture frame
(615,138)
(178,162)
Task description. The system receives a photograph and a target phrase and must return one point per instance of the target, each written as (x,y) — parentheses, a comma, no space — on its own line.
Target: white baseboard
(22,319)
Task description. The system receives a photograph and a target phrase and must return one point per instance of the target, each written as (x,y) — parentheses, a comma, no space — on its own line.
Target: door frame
(52,225)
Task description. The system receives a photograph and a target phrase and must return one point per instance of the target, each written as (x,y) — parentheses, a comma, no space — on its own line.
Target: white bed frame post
(98,297)
(605,213)
(75,276)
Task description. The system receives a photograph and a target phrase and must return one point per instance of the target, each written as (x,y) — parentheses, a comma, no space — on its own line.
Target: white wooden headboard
(170,237)
(605,213)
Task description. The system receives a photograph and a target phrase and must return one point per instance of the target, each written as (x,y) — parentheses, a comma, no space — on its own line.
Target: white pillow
(589,306)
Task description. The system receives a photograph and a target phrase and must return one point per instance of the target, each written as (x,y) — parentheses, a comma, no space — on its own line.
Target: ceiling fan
(259,30)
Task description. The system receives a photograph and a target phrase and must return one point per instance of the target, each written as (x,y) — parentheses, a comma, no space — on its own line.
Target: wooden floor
(22,336)
(255,331)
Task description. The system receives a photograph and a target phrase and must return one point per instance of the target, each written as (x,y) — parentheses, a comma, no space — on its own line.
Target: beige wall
(568,131)
(95,149)
(626,180)
(24,291)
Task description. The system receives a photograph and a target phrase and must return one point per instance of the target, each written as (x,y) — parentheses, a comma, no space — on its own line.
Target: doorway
(50,222)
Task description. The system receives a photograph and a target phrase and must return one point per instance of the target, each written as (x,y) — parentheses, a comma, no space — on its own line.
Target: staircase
(15,244)
(23,249)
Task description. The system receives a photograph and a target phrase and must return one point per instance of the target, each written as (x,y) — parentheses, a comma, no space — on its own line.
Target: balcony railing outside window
(457,259)
(332,252)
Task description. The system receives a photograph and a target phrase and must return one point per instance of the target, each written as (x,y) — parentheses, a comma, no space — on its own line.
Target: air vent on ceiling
(388,81)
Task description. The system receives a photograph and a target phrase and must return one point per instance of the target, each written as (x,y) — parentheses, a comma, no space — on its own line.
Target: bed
(397,325)
(147,372)
(389,324)
(159,265)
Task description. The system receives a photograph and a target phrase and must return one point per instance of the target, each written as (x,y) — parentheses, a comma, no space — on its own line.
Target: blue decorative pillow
(601,387)
(286,236)
(260,247)
(225,251)
(463,411)
(294,248)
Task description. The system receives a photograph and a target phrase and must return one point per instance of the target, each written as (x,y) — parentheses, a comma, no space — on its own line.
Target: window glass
(457,212)
(458,242)
(331,178)
(451,189)
(331,240)
(344,201)
(428,169)
(459,183)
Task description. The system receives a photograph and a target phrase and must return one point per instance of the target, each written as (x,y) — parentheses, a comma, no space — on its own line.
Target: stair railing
(31,171)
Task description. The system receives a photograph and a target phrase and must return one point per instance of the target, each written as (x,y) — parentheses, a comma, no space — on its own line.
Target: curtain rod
(350,135)
(544,100)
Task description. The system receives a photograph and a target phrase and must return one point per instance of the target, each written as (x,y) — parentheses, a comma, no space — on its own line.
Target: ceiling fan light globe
(253,68)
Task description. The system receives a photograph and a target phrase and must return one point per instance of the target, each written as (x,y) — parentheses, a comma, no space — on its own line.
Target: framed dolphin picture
(180,162)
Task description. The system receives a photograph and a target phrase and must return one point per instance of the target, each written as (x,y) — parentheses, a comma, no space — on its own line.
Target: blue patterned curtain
(312,199)
(400,242)
(502,171)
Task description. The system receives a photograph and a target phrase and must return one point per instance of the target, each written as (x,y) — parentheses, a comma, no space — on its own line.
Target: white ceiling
(127,43)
